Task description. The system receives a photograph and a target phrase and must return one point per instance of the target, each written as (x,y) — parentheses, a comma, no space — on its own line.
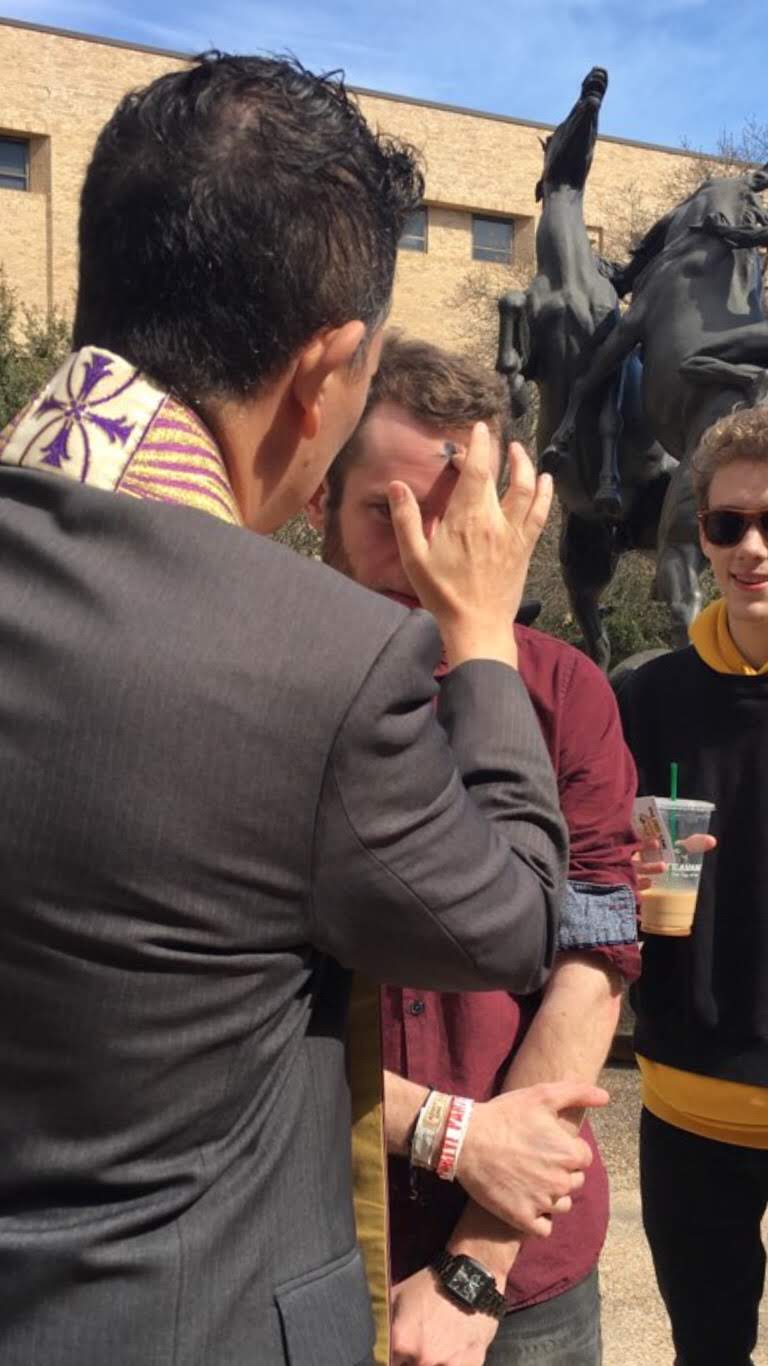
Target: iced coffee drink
(669,905)
(666,910)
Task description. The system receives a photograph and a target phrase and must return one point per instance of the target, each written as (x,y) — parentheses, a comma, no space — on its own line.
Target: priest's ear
(322,374)
(316,509)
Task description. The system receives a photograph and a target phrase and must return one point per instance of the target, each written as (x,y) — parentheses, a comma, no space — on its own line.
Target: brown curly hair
(438,388)
(742,435)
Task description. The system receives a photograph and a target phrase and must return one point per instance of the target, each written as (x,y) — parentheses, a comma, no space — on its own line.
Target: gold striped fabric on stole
(178,461)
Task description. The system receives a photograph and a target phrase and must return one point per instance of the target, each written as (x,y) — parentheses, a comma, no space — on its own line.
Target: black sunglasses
(728,526)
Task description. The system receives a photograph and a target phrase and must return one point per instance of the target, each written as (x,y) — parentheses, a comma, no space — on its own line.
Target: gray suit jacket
(222,785)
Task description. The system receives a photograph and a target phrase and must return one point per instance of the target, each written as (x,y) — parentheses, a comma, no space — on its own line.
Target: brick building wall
(59,89)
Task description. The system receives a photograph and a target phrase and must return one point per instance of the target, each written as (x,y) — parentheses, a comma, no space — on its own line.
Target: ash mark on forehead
(453,453)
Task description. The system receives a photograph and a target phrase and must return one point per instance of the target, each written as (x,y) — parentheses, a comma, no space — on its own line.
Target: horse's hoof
(608,502)
(553,461)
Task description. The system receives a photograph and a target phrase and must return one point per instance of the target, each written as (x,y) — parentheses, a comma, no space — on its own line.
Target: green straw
(673,770)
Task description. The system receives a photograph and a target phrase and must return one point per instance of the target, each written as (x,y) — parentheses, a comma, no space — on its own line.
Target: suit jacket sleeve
(440,852)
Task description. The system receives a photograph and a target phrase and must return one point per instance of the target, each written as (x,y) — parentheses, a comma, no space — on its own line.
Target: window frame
(19,181)
(489,254)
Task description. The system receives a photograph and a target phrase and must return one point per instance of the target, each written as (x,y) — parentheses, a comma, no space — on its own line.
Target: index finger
(475,476)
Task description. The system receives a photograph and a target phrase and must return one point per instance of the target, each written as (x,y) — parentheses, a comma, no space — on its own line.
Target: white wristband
(429,1127)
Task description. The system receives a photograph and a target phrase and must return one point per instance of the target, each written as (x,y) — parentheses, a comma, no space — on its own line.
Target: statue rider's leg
(680,559)
(748,383)
(741,345)
(588,561)
(608,358)
(610,426)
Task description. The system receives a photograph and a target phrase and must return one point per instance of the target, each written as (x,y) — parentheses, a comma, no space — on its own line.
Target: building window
(14,164)
(414,236)
(492,239)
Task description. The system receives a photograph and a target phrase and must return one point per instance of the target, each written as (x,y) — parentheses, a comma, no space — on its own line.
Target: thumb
(407,525)
(698,844)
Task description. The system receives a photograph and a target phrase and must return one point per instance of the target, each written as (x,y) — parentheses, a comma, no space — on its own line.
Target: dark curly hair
(230,212)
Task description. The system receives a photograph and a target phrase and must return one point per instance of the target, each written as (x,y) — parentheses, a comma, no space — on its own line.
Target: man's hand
(471,573)
(648,863)
(518,1160)
(429,1330)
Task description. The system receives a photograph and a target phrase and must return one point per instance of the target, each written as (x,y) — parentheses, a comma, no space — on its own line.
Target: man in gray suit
(222,780)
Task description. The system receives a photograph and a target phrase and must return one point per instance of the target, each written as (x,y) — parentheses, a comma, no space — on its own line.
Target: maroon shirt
(463,1043)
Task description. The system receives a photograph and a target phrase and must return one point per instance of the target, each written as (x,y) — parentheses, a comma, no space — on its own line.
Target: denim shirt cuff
(593,916)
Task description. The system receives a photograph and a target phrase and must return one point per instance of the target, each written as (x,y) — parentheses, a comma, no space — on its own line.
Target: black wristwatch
(469,1284)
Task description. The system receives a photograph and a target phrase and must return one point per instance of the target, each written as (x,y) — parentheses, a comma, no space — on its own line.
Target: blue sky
(680,70)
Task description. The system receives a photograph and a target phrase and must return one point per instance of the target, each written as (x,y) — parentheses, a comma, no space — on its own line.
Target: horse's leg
(610,423)
(588,561)
(608,357)
(514,347)
(677,584)
(680,558)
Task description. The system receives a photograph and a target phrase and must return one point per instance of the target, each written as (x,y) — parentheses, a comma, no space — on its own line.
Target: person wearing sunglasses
(702,1002)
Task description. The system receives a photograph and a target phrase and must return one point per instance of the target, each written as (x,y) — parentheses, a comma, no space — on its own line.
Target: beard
(333,552)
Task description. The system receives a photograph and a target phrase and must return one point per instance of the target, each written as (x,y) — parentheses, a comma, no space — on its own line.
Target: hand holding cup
(674,840)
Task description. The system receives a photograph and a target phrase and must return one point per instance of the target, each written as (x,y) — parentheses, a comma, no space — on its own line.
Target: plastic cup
(668,906)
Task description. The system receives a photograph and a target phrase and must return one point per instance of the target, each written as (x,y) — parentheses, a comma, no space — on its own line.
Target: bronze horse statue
(698,318)
(612,491)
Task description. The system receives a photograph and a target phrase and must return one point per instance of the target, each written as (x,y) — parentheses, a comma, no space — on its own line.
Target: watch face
(466,1282)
